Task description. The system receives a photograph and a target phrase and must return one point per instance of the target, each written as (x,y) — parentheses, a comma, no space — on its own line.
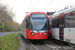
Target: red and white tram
(34,26)
(63,25)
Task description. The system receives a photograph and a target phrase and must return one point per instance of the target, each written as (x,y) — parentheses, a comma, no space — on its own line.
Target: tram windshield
(38,22)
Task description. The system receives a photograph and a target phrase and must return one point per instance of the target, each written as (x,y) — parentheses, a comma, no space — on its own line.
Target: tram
(34,26)
(63,25)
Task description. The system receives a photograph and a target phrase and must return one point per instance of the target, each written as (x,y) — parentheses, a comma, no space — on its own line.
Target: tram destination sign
(38,15)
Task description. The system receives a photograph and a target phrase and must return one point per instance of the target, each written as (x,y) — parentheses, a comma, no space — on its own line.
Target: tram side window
(61,22)
(57,22)
(50,23)
(53,23)
(67,19)
(70,20)
(25,23)
(28,23)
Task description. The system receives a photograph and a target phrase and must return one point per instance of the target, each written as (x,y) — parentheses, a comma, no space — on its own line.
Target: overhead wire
(30,5)
(48,5)
(57,4)
(34,4)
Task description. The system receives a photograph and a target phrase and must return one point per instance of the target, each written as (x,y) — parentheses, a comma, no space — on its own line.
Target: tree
(6,19)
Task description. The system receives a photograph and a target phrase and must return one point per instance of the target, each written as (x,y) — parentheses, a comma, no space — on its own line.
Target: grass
(9,42)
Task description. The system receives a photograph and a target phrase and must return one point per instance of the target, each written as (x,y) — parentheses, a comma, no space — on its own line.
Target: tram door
(61,28)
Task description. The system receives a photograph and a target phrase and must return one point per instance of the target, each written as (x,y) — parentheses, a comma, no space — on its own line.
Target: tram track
(43,45)
(33,45)
(39,46)
(59,46)
(46,46)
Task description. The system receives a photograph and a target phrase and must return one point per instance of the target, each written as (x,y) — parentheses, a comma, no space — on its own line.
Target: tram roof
(37,13)
(64,11)
(28,15)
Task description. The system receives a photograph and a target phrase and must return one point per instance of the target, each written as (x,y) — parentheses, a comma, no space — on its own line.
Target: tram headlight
(32,33)
(44,33)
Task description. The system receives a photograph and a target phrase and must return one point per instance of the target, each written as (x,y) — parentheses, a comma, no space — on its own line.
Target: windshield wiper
(37,30)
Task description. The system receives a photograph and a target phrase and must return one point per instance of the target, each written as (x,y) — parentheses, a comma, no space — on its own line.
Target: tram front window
(38,22)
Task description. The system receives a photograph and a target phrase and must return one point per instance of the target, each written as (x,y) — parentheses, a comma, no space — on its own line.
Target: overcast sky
(22,6)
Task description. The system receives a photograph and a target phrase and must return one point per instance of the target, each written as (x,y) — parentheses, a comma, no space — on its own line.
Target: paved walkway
(5,33)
